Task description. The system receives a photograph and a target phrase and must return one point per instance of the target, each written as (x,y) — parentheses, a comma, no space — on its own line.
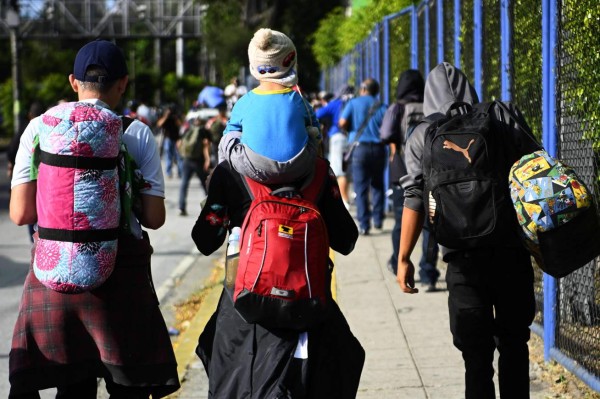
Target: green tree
(226,37)
(298,19)
(338,35)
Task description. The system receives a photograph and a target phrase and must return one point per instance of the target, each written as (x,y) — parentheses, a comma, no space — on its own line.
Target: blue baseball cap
(101,53)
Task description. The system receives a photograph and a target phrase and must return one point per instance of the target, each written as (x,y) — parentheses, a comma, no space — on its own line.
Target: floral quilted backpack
(78,202)
(556,212)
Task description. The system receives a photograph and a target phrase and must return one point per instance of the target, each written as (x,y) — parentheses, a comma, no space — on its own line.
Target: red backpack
(283,275)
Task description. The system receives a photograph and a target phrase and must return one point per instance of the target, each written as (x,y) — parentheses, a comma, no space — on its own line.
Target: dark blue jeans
(190,167)
(172,157)
(428,271)
(368,166)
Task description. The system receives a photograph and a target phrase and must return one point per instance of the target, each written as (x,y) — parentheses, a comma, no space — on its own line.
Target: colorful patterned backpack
(556,212)
(78,202)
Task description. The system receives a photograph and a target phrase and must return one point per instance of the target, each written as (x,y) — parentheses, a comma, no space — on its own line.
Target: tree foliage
(226,37)
(327,45)
(299,19)
(338,34)
(182,91)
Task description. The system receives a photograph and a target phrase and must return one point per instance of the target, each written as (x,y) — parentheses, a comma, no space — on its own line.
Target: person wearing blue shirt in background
(369,157)
(337,137)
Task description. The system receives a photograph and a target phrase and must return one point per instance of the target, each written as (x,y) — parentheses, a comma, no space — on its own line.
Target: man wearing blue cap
(115,331)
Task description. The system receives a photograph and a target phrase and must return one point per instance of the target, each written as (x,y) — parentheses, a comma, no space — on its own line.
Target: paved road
(172,244)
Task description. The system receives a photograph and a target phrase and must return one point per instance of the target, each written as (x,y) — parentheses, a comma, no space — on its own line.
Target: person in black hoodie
(400,117)
(247,360)
(490,287)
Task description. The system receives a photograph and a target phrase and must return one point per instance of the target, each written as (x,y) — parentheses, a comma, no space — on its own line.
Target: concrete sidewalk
(409,351)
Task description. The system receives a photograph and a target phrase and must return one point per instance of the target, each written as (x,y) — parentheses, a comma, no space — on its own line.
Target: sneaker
(363,232)
(431,288)
(390,267)
(183,212)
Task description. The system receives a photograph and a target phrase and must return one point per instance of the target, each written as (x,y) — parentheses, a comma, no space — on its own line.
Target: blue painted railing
(372,58)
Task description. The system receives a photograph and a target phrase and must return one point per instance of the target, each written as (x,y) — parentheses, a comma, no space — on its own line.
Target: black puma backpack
(465,170)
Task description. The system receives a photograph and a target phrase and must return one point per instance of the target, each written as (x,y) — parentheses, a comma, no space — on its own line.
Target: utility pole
(179,43)
(12,20)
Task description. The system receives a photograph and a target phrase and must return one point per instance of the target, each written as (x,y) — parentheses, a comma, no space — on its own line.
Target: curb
(179,271)
(185,345)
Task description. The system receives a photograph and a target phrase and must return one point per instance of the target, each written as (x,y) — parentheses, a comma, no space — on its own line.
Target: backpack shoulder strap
(127,121)
(433,117)
(254,188)
(365,122)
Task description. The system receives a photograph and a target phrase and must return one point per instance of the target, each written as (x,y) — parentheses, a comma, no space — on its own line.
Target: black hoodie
(409,89)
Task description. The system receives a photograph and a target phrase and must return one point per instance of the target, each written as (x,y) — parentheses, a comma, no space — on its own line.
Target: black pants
(491,303)
(189,168)
(88,389)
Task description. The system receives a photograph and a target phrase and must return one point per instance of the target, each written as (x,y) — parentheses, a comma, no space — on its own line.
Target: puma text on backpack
(283,272)
(465,194)
(191,143)
(78,204)
(557,213)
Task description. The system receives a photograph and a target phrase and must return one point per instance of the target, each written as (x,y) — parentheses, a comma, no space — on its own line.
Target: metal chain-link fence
(517,66)
(578,109)
(527,88)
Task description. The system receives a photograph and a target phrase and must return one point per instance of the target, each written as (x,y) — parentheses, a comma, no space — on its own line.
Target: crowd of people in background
(272,134)
(211,111)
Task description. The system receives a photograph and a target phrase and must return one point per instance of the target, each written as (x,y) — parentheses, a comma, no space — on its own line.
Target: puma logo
(465,151)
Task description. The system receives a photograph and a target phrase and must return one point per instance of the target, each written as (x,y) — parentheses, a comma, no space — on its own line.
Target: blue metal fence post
(477,45)
(358,55)
(549,141)
(506,50)
(372,51)
(377,53)
(426,38)
(440,31)
(386,60)
(345,75)
(364,60)
(367,56)
(457,22)
(414,38)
